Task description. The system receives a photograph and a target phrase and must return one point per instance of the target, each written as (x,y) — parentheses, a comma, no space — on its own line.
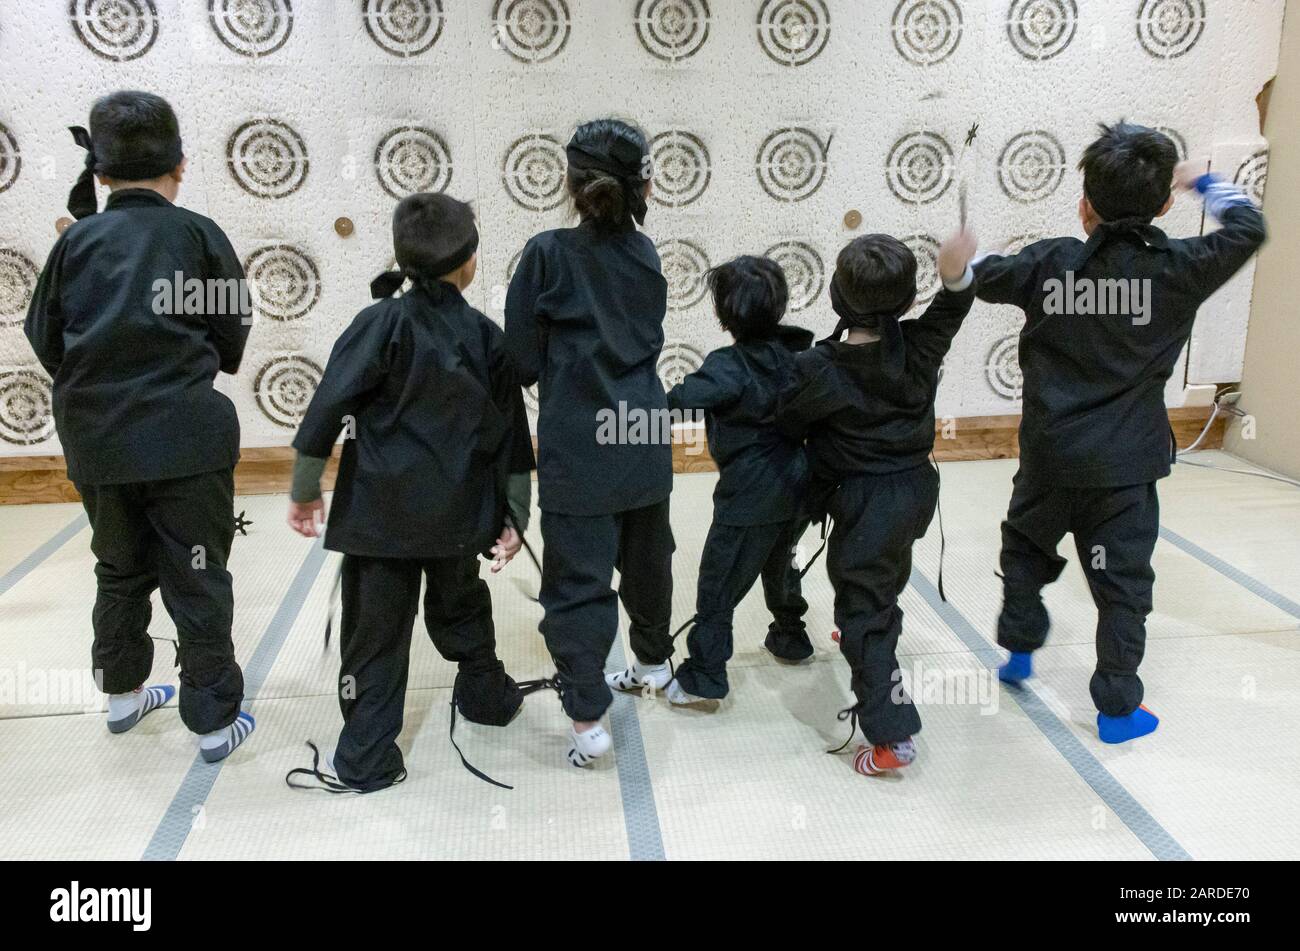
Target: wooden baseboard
(27,479)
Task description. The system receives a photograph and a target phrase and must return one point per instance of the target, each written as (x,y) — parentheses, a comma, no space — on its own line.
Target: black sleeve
(1216,257)
(1009,279)
(713,386)
(525,331)
(357,366)
(929,336)
(229,332)
(810,397)
(508,396)
(44,323)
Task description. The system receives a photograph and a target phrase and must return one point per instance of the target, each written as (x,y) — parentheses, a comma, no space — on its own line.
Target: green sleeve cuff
(307,471)
(519,496)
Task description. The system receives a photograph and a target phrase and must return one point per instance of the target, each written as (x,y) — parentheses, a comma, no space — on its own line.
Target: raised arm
(1216,257)
(714,385)
(929,337)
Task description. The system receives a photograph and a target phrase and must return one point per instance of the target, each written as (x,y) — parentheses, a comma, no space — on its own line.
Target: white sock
(123,705)
(210,741)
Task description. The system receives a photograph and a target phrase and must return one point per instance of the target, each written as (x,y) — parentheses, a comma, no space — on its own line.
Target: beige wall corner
(1271,381)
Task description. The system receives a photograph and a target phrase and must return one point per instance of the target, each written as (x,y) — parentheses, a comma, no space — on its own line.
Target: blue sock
(1122,729)
(1019,666)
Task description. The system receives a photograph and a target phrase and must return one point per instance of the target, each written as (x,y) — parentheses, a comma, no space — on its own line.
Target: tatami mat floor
(1002,774)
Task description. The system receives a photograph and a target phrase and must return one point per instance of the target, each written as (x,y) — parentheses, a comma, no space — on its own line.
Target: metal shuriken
(972,132)
(241,523)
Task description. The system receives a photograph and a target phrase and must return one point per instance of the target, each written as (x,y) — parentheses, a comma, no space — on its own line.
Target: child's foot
(678,696)
(1122,729)
(1019,666)
(587,745)
(874,760)
(221,743)
(640,675)
(125,710)
(791,647)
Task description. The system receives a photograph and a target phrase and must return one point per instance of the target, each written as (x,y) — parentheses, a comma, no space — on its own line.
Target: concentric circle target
(681,168)
(285,281)
(251,28)
(412,159)
(684,266)
(267,158)
(805,273)
(793,32)
(533,172)
(284,388)
(1041,29)
(532,31)
(919,168)
(926,31)
(1032,166)
(678,360)
(791,164)
(26,408)
(1003,368)
(11,160)
(117,30)
(926,250)
(404,28)
(18,274)
(672,29)
(1169,28)
(1252,175)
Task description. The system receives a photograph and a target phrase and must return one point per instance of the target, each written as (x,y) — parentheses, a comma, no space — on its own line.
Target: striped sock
(219,744)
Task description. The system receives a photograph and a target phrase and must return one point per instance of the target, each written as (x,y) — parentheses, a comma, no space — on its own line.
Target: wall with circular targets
(771,124)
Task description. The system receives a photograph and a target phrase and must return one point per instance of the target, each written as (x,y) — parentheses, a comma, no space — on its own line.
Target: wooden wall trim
(266,471)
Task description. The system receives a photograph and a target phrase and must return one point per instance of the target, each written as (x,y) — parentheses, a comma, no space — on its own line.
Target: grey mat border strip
(1141,823)
(174,826)
(1231,572)
(29,564)
(645,841)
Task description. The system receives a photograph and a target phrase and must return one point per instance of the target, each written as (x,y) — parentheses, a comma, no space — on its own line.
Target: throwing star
(972,132)
(241,523)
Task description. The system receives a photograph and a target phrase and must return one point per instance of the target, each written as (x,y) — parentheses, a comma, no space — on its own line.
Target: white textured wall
(771,118)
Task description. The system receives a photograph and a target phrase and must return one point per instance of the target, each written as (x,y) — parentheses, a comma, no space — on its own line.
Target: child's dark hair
(1129,171)
(131,128)
(433,235)
(750,295)
(607,199)
(876,273)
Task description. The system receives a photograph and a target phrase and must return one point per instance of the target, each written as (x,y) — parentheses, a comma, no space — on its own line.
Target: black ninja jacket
(584,320)
(763,473)
(868,409)
(433,422)
(1094,408)
(132,360)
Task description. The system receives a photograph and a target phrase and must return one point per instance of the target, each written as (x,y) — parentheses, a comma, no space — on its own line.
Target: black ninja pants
(734,558)
(581,621)
(869,560)
(380,599)
(172,535)
(1115,532)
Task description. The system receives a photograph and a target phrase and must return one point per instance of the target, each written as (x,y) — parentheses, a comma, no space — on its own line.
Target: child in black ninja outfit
(866,406)
(584,320)
(150,445)
(1095,436)
(435,470)
(762,480)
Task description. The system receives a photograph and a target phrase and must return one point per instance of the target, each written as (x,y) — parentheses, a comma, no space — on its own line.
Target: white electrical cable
(1218,407)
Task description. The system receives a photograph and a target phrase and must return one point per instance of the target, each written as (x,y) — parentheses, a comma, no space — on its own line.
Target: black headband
(884,318)
(390,282)
(81,200)
(621,159)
